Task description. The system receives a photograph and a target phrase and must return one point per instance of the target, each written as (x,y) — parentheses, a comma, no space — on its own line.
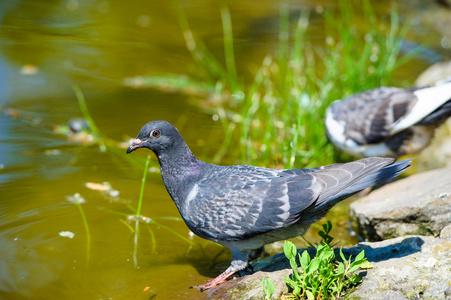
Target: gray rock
(437,72)
(410,267)
(419,204)
(438,153)
(250,287)
(419,267)
(446,233)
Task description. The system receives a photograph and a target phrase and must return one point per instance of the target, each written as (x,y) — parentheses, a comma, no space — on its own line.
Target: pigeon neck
(180,160)
(179,170)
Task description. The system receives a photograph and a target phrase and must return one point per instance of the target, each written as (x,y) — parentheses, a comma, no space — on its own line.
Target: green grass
(283,109)
(277,117)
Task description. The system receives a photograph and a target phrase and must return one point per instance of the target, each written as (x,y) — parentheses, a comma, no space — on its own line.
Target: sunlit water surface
(45,48)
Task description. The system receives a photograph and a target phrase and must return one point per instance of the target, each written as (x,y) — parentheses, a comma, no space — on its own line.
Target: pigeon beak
(135,145)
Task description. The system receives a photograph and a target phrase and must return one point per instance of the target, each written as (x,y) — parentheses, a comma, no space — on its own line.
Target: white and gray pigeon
(245,207)
(388,121)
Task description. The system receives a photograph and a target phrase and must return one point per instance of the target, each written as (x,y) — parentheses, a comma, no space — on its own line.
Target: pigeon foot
(218,280)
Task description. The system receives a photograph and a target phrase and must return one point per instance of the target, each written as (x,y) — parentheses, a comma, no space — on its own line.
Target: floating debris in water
(27,116)
(75,199)
(13,113)
(68,234)
(154,170)
(134,218)
(114,193)
(136,82)
(29,69)
(104,187)
(98,186)
(50,152)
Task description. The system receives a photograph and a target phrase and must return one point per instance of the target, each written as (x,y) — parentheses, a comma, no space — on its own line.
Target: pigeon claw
(217,281)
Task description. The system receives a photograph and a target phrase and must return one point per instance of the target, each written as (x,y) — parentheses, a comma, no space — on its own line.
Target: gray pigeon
(388,121)
(245,207)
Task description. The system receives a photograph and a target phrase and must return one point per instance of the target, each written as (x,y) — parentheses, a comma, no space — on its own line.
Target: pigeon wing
(232,207)
(342,180)
(369,116)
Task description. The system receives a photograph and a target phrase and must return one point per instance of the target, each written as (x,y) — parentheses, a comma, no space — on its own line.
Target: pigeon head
(158,136)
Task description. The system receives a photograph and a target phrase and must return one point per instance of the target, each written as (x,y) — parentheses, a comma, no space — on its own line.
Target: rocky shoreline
(409,267)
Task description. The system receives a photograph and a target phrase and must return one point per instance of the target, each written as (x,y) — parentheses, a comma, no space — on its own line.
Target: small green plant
(78,200)
(324,276)
(325,236)
(268,288)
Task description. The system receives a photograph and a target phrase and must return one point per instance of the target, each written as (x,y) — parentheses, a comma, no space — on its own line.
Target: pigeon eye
(155,134)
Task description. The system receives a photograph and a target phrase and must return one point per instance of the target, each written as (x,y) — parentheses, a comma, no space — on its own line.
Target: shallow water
(46,47)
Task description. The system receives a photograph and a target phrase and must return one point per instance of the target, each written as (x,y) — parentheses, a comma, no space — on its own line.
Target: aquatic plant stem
(152,238)
(138,212)
(84,110)
(88,234)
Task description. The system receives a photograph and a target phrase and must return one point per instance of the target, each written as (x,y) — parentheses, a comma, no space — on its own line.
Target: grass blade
(88,233)
(138,212)
(228,47)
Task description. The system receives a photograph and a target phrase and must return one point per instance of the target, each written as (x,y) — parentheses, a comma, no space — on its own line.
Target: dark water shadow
(374,252)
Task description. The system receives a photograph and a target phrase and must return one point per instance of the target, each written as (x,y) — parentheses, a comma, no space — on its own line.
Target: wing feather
(381,108)
(226,210)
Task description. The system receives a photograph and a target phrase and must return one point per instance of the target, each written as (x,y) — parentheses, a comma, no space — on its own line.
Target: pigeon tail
(439,116)
(380,176)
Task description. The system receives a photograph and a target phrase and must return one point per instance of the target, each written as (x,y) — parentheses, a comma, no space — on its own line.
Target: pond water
(48,46)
